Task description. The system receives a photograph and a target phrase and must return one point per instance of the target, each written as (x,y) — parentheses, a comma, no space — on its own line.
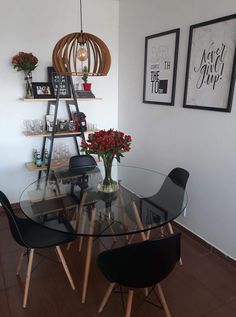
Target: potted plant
(87,86)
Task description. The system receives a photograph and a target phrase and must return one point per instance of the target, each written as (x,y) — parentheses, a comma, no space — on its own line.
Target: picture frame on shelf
(43,90)
(210,71)
(160,67)
(54,78)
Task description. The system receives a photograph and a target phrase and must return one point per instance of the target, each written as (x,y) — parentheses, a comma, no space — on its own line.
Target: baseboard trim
(204,243)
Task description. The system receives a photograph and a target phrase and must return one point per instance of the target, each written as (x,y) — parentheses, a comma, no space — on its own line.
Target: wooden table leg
(88,257)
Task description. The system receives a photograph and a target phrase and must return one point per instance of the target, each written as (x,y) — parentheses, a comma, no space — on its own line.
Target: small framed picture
(43,90)
(54,78)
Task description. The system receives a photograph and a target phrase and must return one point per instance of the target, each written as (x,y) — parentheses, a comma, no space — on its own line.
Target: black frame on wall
(160,67)
(210,71)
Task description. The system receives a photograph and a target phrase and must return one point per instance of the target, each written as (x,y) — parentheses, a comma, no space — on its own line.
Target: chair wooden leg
(28,275)
(172,232)
(81,238)
(88,257)
(77,218)
(148,233)
(131,238)
(139,222)
(170,228)
(68,246)
(63,262)
(129,303)
(106,297)
(18,267)
(163,300)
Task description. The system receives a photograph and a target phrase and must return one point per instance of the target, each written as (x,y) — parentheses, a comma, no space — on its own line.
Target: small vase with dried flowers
(26,62)
(107,145)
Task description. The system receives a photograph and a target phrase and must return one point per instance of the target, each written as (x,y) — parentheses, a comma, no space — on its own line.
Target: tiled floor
(204,286)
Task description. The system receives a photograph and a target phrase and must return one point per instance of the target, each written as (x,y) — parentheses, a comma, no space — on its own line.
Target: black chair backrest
(170,197)
(179,176)
(12,219)
(81,161)
(141,264)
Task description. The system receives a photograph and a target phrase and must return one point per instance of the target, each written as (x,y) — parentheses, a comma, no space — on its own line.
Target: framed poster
(160,67)
(210,72)
(54,78)
(43,90)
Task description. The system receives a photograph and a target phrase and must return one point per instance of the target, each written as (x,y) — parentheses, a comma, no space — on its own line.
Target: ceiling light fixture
(75,50)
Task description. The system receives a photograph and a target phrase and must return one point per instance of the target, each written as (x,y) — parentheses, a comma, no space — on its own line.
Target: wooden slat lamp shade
(65,60)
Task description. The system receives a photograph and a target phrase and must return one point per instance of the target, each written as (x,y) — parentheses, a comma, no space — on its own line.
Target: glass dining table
(72,201)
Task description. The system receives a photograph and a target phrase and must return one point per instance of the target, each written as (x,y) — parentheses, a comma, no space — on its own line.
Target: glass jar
(72,126)
(62,124)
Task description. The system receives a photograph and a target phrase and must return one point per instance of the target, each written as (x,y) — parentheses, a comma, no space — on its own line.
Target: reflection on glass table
(139,204)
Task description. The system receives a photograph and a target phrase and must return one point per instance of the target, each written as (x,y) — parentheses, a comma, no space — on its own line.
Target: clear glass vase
(28,85)
(108,185)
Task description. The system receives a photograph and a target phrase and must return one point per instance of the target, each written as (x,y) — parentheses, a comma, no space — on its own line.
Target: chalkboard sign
(53,77)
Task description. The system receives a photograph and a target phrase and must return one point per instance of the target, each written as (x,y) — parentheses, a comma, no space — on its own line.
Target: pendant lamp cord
(81,16)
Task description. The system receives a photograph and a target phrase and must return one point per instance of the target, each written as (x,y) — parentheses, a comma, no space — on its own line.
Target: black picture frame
(210,71)
(160,67)
(54,77)
(43,90)
(152,213)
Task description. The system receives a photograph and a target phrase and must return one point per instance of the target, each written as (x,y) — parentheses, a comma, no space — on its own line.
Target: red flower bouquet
(107,145)
(24,61)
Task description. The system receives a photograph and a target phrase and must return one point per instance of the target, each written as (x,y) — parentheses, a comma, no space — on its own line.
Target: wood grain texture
(65,60)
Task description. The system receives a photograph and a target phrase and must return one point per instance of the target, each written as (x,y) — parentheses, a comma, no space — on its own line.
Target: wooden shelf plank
(48,134)
(57,134)
(53,99)
(54,165)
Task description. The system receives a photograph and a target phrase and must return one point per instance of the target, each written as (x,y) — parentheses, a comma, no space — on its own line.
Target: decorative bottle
(34,155)
(38,160)
(46,157)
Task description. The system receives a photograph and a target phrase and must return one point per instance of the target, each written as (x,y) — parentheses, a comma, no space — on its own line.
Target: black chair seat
(140,265)
(37,236)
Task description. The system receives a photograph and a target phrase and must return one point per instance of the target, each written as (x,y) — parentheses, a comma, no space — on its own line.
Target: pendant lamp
(76,50)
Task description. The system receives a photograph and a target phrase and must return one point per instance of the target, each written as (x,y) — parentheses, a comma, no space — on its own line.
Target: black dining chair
(168,199)
(31,236)
(179,176)
(140,265)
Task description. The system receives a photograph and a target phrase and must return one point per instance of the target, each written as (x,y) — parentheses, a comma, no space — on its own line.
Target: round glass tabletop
(74,202)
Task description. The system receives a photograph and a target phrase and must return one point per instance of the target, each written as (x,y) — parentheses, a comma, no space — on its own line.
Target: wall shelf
(54,99)
(56,135)
(49,134)
(54,165)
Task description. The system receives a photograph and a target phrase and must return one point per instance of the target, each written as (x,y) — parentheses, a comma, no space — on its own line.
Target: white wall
(35,27)
(164,137)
